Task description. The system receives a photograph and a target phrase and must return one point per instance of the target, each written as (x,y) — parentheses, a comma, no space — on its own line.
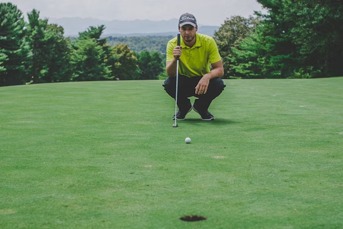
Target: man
(196,53)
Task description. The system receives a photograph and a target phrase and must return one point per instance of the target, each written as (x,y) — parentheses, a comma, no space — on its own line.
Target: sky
(207,12)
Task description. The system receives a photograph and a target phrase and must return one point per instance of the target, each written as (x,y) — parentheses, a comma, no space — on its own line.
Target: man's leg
(203,102)
(183,102)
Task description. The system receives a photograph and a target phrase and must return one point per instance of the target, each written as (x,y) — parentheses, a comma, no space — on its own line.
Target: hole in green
(192,218)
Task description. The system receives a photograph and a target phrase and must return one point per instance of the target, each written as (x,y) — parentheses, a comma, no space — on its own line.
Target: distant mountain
(72,27)
(208,30)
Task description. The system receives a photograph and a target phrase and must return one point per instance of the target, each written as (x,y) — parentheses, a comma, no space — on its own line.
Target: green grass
(105,155)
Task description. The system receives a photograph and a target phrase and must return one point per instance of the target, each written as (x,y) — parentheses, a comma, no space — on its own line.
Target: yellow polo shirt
(195,61)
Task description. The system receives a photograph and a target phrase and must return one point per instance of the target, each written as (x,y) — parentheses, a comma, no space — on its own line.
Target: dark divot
(192,218)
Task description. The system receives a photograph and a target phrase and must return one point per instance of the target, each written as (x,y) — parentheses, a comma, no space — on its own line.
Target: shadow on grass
(217,121)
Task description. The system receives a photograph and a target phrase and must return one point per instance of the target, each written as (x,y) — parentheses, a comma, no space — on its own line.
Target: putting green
(105,155)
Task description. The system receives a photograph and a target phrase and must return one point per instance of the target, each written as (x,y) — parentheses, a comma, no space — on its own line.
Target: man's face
(188,33)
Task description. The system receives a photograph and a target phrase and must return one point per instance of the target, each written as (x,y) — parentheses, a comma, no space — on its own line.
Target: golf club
(177,80)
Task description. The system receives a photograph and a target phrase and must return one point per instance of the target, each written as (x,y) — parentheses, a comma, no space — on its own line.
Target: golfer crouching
(197,52)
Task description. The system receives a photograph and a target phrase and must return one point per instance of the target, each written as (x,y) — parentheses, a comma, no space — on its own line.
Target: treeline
(295,39)
(37,52)
(138,44)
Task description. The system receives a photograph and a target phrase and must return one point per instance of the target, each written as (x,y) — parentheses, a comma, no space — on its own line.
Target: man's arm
(217,71)
(171,65)
(171,68)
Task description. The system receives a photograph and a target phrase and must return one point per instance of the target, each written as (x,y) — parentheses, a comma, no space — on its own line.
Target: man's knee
(216,87)
(218,83)
(169,86)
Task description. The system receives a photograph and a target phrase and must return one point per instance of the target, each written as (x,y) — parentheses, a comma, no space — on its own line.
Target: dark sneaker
(181,115)
(206,115)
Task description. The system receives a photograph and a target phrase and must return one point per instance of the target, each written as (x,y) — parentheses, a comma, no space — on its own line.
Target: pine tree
(58,59)
(13,46)
(91,56)
(40,46)
(87,61)
(299,39)
(247,60)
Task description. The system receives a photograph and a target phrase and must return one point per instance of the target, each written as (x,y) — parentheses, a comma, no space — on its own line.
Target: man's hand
(202,86)
(217,71)
(177,51)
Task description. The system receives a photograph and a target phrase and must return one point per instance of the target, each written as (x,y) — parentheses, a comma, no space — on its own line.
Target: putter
(177,80)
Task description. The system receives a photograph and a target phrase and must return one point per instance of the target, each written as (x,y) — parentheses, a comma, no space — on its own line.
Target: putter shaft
(176,90)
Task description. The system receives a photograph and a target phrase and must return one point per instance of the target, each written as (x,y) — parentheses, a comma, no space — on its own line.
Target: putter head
(175,125)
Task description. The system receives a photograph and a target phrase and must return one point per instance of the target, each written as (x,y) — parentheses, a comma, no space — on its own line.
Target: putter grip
(178,41)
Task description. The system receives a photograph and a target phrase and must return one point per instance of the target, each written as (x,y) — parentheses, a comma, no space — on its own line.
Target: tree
(13,45)
(230,34)
(295,39)
(150,64)
(87,61)
(91,56)
(126,66)
(3,58)
(322,22)
(156,64)
(58,61)
(247,60)
(94,33)
(40,46)
(111,59)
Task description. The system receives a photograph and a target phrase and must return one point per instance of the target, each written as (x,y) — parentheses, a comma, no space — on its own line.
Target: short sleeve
(214,53)
(170,48)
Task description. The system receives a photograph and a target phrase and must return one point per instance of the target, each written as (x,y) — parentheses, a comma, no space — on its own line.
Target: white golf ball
(188,140)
